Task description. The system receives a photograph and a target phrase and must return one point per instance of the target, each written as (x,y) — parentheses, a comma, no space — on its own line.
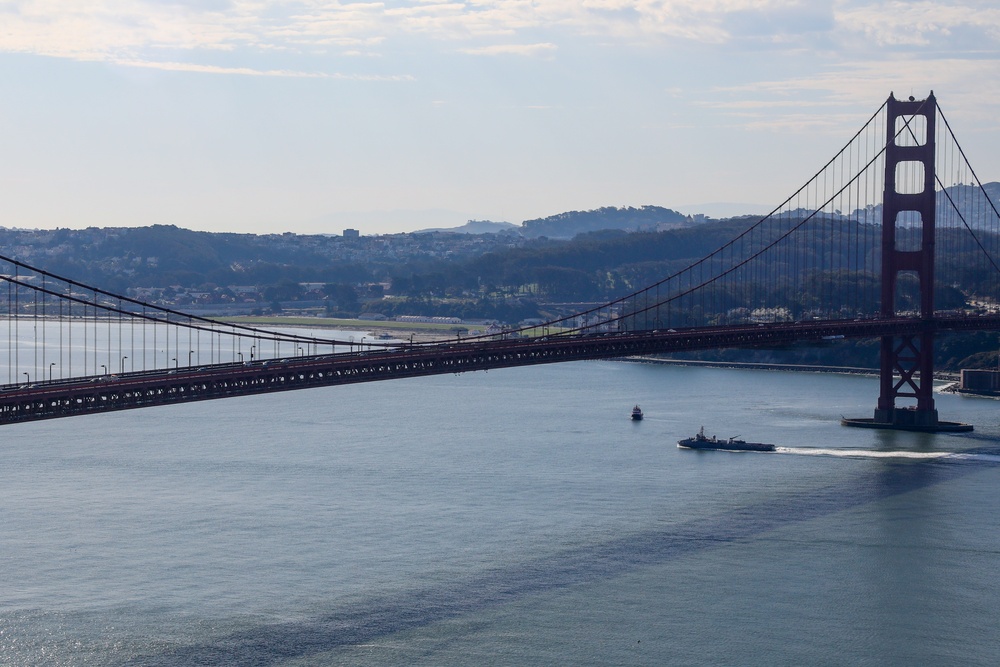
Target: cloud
(798,20)
(969,84)
(512,49)
(919,24)
(246,71)
(144,31)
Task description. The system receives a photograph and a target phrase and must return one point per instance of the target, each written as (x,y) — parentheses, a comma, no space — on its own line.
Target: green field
(335,323)
(426,330)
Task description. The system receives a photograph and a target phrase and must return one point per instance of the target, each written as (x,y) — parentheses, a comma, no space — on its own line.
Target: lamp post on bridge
(241,356)
(123,365)
(50,370)
(28,383)
(190,352)
(174,359)
(104,366)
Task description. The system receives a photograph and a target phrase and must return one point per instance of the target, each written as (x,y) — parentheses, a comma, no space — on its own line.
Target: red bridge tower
(908,200)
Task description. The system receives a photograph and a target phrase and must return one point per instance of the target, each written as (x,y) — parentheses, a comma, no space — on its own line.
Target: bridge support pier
(907,371)
(907,362)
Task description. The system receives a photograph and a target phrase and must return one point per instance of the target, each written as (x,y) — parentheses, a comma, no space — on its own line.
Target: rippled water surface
(507,518)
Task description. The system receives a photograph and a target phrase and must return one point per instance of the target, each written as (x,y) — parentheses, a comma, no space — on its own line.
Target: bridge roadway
(85,395)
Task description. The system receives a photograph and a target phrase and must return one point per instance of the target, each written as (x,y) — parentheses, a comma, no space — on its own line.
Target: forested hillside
(569,225)
(502,276)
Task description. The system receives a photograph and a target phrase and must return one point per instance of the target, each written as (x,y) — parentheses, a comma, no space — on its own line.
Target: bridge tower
(907,361)
(909,150)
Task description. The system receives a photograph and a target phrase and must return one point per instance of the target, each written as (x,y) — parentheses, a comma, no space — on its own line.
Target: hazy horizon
(373,223)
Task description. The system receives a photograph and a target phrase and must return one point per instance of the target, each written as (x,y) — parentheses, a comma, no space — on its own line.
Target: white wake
(862,453)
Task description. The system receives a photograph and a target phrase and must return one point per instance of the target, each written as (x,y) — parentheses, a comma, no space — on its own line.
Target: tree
(284,290)
(343,298)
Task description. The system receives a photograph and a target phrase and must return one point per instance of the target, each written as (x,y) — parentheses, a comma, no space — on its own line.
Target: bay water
(513,517)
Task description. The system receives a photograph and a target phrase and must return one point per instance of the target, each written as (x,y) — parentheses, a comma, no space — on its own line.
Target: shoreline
(942,376)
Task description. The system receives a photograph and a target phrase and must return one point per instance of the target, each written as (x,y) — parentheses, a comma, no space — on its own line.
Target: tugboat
(636,414)
(701,441)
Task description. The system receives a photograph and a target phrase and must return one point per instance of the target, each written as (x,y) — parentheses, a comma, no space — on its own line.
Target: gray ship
(701,441)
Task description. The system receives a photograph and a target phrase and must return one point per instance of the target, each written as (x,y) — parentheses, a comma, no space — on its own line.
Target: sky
(311,116)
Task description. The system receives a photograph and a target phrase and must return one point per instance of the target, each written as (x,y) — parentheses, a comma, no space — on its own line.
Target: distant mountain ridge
(570,224)
(475,227)
(967,198)
(976,208)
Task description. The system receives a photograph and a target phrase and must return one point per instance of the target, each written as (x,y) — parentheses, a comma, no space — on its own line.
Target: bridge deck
(47,400)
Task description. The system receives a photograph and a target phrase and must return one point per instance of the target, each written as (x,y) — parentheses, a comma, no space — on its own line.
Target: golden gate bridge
(893,238)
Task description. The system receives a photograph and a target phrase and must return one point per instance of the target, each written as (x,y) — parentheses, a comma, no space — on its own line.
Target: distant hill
(475,227)
(723,210)
(971,203)
(568,225)
(969,200)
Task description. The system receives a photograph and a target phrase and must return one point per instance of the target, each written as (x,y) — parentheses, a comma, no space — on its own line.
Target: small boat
(701,441)
(636,413)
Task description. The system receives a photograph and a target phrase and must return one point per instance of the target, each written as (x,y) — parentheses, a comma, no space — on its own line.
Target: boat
(702,441)
(636,413)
